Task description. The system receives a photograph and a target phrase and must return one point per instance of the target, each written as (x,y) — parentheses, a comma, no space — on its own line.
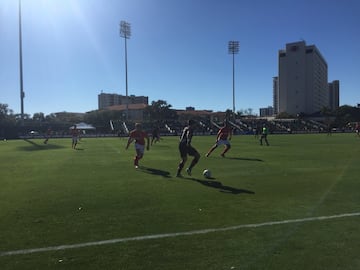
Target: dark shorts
(187,150)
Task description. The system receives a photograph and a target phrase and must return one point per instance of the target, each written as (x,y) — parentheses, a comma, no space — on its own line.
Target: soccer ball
(207,173)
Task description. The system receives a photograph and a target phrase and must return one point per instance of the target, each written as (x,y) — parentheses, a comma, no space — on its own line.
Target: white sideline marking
(168,235)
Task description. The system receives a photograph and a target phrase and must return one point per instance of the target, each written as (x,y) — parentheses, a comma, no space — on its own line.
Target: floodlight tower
(22,94)
(125,32)
(233,49)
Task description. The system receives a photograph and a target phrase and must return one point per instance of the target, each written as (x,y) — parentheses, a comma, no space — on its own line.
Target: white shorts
(222,142)
(140,148)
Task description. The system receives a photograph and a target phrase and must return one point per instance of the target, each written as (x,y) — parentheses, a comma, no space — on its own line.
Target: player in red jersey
(223,138)
(139,136)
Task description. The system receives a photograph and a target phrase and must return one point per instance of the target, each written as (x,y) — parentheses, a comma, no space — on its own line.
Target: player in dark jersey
(74,137)
(186,149)
(264,134)
(155,135)
(47,135)
(357,129)
(223,138)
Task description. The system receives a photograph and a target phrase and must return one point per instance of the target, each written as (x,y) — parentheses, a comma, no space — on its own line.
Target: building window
(294,48)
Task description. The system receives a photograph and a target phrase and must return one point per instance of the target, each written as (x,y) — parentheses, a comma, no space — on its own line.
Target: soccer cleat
(188,170)
(222,155)
(136,166)
(207,155)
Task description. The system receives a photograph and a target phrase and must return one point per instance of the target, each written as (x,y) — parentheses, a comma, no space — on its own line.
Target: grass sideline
(53,195)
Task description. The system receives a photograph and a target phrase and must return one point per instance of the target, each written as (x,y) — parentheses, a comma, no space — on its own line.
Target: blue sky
(178,50)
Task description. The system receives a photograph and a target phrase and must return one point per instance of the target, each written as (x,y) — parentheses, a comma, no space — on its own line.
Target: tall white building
(302,81)
(334,88)
(276,95)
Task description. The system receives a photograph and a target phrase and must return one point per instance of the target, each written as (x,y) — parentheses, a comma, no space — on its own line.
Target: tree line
(12,125)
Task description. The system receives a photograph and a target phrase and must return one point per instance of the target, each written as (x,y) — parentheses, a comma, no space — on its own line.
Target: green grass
(52,195)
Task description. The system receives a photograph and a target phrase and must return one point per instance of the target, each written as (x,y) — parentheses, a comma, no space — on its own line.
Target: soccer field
(292,205)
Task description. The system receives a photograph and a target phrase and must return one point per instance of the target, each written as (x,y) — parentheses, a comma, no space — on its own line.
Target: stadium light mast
(233,49)
(125,32)
(22,94)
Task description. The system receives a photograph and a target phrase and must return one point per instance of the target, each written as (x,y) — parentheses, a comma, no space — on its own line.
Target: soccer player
(329,130)
(47,135)
(74,137)
(264,134)
(357,129)
(139,136)
(223,138)
(155,135)
(186,149)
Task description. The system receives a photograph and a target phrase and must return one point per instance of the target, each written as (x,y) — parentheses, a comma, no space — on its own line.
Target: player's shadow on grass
(221,187)
(246,159)
(33,146)
(153,171)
